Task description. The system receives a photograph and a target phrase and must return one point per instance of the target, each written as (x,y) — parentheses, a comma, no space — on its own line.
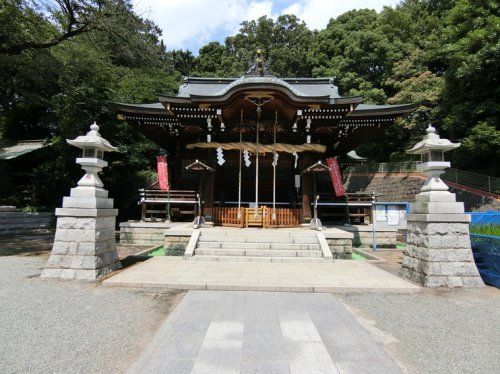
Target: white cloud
(189,24)
(317,13)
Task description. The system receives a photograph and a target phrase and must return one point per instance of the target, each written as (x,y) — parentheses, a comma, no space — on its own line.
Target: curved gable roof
(300,87)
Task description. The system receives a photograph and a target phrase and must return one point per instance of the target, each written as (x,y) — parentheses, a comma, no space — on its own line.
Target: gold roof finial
(259,66)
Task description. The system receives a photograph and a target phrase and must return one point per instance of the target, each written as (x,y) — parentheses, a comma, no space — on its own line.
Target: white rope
(239,174)
(275,162)
(262,148)
(257,167)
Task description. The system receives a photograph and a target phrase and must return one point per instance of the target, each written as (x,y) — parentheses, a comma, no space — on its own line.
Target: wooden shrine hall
(240,148)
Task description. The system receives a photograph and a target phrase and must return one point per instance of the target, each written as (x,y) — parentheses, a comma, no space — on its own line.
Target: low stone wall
(341,248)
(340,242)
(386,237)
(136,233)
(15,222)
(175,244)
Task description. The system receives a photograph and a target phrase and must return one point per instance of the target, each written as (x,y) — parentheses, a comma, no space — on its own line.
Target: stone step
(258,259)
(264,246)
(257,252)
(243,239)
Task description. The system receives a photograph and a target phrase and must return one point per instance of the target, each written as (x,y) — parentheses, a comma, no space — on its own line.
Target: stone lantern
(438,251)
(431,151)
(92,161)
(84,243)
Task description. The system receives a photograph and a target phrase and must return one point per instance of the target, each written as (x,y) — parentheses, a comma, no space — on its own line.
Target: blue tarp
(485,218)
(486,251)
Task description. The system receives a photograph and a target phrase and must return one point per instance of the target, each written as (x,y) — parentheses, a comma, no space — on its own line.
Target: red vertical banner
(161,164)
(335,176)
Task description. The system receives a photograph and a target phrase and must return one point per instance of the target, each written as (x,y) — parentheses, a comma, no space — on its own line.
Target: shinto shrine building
(249,142)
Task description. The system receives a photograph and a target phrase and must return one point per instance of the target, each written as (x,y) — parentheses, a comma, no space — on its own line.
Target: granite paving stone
(264,367)
(263,332)
(339,276)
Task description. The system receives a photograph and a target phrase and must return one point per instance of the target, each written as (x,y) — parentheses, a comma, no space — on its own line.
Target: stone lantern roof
(432,142)
(92,139)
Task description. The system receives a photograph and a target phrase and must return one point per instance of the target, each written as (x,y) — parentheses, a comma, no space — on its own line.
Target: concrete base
(341,276)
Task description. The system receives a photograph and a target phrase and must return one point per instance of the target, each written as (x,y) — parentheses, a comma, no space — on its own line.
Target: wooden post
(209,181)
(306,188)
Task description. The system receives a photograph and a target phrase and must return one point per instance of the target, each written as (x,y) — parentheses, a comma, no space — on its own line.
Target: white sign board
(380,213)
(393,215)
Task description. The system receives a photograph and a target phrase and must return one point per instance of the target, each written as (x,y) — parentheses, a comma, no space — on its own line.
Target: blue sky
(189,24)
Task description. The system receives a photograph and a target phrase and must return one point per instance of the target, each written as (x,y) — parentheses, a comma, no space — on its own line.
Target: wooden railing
(227,216)
(154,203)
(285,217)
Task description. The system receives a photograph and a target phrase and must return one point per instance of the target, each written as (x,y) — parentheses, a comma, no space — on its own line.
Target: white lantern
(92,161)
(431,150)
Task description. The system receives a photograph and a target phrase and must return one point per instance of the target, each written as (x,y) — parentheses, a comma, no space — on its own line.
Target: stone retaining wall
(14,222)
(142,233)
(175,243)
(340,248)
(363,236)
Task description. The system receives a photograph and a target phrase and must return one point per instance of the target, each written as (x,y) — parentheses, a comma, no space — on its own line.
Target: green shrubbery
(490,229)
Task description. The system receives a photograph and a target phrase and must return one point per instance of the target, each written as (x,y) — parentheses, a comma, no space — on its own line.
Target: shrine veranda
(257,134)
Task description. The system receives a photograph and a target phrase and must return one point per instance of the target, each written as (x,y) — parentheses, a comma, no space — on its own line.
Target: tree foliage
(63,61)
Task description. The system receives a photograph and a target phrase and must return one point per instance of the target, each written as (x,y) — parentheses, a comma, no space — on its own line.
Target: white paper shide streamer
(275,159)
(296,156)
(220,157)
(246,157)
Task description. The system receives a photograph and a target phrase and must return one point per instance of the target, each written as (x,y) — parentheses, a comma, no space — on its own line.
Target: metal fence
(385,167)
(471,179)
(465,178)
(486,250)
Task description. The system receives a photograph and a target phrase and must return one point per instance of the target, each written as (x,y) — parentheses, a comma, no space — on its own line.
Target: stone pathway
(259,332)
(338,276)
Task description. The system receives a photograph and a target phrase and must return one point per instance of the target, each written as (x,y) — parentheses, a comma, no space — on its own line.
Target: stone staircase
(259,246)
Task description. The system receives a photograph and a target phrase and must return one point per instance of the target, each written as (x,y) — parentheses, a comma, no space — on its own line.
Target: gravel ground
(435,331)
(68,327)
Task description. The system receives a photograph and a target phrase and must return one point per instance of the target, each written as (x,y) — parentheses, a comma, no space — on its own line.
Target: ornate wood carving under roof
(209,109)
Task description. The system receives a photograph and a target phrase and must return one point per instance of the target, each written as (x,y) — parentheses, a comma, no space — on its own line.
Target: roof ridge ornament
(260,67)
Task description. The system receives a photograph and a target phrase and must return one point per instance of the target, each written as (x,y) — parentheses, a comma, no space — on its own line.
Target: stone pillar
(438,251)
(84,244)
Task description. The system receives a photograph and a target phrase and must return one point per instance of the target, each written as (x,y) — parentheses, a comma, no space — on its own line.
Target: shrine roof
(302,87)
